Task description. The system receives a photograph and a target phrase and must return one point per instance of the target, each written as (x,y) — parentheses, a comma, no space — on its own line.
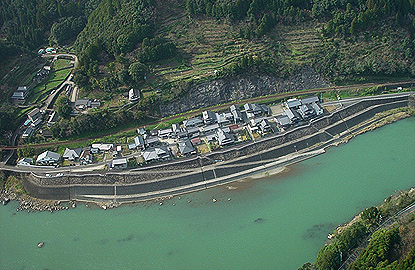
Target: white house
(48,158)
(72,154)
(25,162)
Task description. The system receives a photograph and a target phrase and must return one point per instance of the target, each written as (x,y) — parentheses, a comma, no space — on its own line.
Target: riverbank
(349,240)
(256,170)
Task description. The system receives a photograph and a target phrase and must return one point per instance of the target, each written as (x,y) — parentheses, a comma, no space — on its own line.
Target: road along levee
(221,167)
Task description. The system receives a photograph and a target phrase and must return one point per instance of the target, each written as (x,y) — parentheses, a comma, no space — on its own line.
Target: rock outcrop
(242,87)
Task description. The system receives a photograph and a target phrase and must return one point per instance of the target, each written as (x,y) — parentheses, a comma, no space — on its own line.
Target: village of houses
(204,133)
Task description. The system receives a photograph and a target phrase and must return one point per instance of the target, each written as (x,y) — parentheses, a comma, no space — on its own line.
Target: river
(279,222)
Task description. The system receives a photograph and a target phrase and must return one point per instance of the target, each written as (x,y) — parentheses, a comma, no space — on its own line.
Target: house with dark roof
(186,148)
(253,110)
(152,141)
(293,115)
(48,158)
(264,126)
(283,121)
(209,117)
(193,132)
(210,128)
(193,122)
(28,132)
(182,135)
(20,94)
(292,103)
(34,115)
(309,100)
(166,133)
(306,111)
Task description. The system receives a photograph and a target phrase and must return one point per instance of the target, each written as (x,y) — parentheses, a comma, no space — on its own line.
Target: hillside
(169,49)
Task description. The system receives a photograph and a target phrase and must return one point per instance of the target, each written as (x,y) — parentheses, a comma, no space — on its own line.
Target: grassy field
(61,63)
(41,92)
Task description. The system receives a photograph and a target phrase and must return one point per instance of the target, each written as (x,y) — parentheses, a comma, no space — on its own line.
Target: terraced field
(204,46)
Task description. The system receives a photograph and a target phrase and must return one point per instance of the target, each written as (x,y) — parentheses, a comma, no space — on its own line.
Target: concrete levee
(189,171)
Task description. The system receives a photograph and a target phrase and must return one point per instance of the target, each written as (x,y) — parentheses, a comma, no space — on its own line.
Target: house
(224,118)
(306,111)
(176,128)
(283,121)
(28,132)
(292,103)
(25,162)
(34,116)
(48,158)
(292,115)
(210,128)
(264,126)
(166,133)
(236,113)
(186,148)
(72,154)
(309,100)
(141,131)
(133,95)
(317,108)
(209,117)
(182,135)
(193,122)
(253,110)
(42,74)
(224,138)
(85,157)
(154,132)
(211,137)
(83,104)
(156,153)
(139,143)
(20,94)
(193,132)
(255,121)
(152,141)
(119,164)
(46,133)
(196,141)
(52,118)
(101,147)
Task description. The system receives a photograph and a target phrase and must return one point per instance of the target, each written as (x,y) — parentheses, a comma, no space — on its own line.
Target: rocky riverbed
(30,204)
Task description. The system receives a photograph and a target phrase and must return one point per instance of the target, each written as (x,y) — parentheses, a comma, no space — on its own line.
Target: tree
(137,71)
(63,107)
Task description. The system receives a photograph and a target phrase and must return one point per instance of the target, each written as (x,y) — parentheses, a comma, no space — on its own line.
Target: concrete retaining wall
(78,187)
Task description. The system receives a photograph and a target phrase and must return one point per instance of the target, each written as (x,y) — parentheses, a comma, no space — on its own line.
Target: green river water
(279,222)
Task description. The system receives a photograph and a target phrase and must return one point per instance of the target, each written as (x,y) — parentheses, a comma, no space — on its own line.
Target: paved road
(279,95)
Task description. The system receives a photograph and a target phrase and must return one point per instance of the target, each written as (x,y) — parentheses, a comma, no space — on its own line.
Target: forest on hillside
(165,47)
